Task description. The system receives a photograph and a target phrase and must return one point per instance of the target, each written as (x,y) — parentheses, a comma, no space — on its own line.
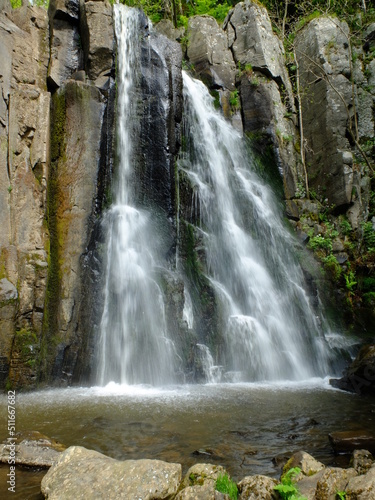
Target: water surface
(243,427)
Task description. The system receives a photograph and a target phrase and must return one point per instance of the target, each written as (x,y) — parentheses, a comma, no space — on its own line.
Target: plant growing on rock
(287,489)
(225,485)
(234,101)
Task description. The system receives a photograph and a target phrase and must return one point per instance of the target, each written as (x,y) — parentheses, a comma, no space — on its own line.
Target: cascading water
(133,347)
(267,329)
(271,331)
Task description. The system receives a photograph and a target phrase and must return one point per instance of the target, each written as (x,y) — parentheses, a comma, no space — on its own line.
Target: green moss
(3,271)
(215,94)
(49,339)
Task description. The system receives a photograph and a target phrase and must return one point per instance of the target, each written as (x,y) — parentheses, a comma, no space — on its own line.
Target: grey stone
(7,291)
(205,491)
(371,77)
(66,52)
(308,465)
(362,461)
(324,77)
(97,37)
(257,488)
(359,378)
(33,449)
(77,178)
(80,473)
(267,100)
(166,28)
(307,485)
(5,6)
(67,10)
(253,42)
(201,473)
(208,51)
(362,487)
(333,480)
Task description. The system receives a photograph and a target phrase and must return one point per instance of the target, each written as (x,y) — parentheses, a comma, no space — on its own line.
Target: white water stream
(133,347)
(270,329)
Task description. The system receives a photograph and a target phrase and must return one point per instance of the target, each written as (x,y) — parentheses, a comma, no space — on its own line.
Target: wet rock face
(160,115)
(66,50)
(360,376)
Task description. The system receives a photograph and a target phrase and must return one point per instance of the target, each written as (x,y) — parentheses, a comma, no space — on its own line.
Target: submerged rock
(33,449)
(82,473)
(348,441)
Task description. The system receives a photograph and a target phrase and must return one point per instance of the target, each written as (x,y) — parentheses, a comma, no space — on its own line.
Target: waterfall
(134,346)
(211,371)
(151,330)
(270,328)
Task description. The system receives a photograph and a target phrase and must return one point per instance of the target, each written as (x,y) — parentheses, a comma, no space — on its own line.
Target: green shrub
(368,284)
(369,299)
(234,100)
(368,235)
(225,485)
(332,267)
(319,242)
(287,489)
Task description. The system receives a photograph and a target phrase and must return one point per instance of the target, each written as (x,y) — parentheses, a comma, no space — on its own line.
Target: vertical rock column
(24,155)
(327,102)
(267,103)
(80,78)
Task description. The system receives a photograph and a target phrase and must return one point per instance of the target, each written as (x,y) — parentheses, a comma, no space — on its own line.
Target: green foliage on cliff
(179,11)
(285,15)
(39,3)
(288,16)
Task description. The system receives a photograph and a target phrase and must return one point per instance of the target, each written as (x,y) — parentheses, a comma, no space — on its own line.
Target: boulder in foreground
(80,474)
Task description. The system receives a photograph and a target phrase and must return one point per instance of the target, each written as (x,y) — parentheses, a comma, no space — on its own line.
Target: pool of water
(243,427)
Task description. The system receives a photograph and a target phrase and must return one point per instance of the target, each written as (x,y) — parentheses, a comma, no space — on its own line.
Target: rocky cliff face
(24,157)
(57,119)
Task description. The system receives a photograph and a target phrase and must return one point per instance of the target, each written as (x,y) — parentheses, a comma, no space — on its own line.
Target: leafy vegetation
(341,495)
(287,489)
(39,3)
(225,485)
